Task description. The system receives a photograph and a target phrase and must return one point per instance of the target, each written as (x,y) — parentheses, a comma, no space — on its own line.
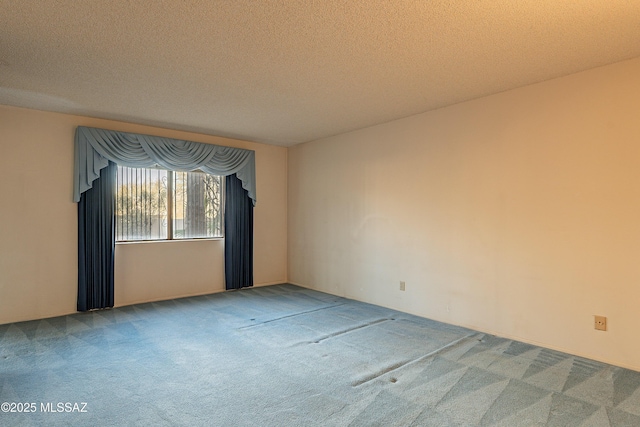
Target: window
(157,204)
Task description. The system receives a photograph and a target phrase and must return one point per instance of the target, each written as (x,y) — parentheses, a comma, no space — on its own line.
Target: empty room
(320,213)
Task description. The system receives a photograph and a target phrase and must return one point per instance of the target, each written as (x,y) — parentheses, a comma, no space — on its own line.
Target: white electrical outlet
(402,286)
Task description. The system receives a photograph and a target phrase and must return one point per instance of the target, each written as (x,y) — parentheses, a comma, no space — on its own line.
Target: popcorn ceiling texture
(288,71)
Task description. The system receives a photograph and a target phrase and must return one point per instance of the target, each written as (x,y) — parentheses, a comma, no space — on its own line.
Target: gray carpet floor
(287,356)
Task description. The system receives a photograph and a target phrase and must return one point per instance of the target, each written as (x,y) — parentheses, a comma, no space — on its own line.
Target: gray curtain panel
(238,235)
(96,242)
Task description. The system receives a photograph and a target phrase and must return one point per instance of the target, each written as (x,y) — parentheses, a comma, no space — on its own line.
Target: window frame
(171,196)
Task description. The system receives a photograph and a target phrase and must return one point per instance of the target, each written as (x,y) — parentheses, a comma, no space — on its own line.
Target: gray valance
(95,147)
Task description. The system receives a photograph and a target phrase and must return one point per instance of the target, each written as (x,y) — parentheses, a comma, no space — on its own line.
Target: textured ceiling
(290,71)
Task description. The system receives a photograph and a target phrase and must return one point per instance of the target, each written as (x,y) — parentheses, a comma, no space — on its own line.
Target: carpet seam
(290,315)
(397,366)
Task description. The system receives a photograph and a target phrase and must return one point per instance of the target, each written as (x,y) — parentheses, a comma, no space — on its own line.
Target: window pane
(141,204)
(197,205)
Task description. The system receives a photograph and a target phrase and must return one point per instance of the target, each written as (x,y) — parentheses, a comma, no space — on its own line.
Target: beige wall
(38,223)
(516,214)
